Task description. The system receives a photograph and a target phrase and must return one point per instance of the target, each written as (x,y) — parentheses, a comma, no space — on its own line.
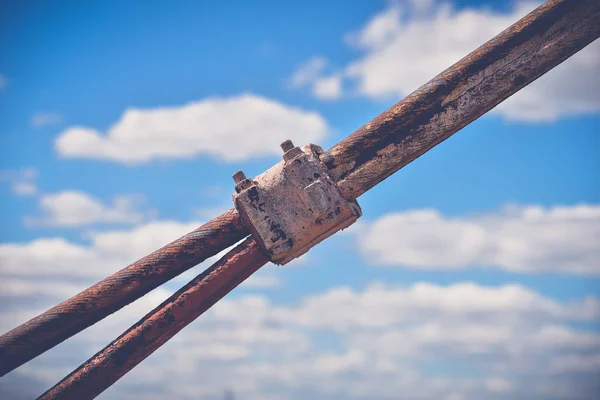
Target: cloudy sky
(473,274)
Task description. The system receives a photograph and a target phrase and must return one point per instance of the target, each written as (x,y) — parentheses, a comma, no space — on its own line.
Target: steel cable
(474,85)
(142,339)
(477,83)
(113,293)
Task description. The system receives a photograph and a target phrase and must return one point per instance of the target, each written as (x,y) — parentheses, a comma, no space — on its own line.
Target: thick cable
(157,327)
(541,40)
(113,293)
(473,86)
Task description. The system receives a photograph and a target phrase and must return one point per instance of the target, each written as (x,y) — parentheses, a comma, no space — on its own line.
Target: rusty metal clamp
(294,205)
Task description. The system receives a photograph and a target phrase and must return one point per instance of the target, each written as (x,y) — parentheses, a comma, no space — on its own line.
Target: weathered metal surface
(93,304)
(462,93)
(161,324)
(293,205)
(465,91)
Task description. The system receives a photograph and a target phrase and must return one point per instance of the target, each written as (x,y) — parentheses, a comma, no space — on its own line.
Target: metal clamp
(294,205)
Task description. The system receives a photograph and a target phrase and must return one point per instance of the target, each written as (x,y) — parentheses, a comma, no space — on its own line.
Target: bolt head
(287,145)
(239,176)
(292,153)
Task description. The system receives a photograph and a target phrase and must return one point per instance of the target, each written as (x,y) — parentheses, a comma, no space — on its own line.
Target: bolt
(287,145)
(239,176)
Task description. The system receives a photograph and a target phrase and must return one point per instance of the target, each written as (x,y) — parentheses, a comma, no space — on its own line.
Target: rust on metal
(239,176)
(294,205)
(474,85)
(113,293)
(161,324)
(519,55)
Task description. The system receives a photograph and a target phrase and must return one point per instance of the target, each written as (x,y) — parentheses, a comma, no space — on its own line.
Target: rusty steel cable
(474,85)
(531,47)
(142,339)
(111,294)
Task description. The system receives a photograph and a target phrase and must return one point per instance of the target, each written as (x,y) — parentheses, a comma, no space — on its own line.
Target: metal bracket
(294,205)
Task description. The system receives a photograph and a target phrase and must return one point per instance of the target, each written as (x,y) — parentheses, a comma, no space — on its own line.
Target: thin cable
(157,327)
(104,298)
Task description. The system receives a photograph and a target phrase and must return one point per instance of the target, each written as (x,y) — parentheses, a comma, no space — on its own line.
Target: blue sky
(122,122)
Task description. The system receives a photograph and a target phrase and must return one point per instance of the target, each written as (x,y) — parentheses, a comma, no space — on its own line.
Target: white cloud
(406,45)
(44,119)
(72,208)
(57,257)
(38,274)
(569,89)
(380,307)
(56,260)
(262,282)
(24,188)
(311,74)
(23,182)
(403,51)
(137,242)
(308,72)
(359,344)
(328,87)
(387,332)
(498,384)
(233,129)
(260,348)
(521,239)
(380,29)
